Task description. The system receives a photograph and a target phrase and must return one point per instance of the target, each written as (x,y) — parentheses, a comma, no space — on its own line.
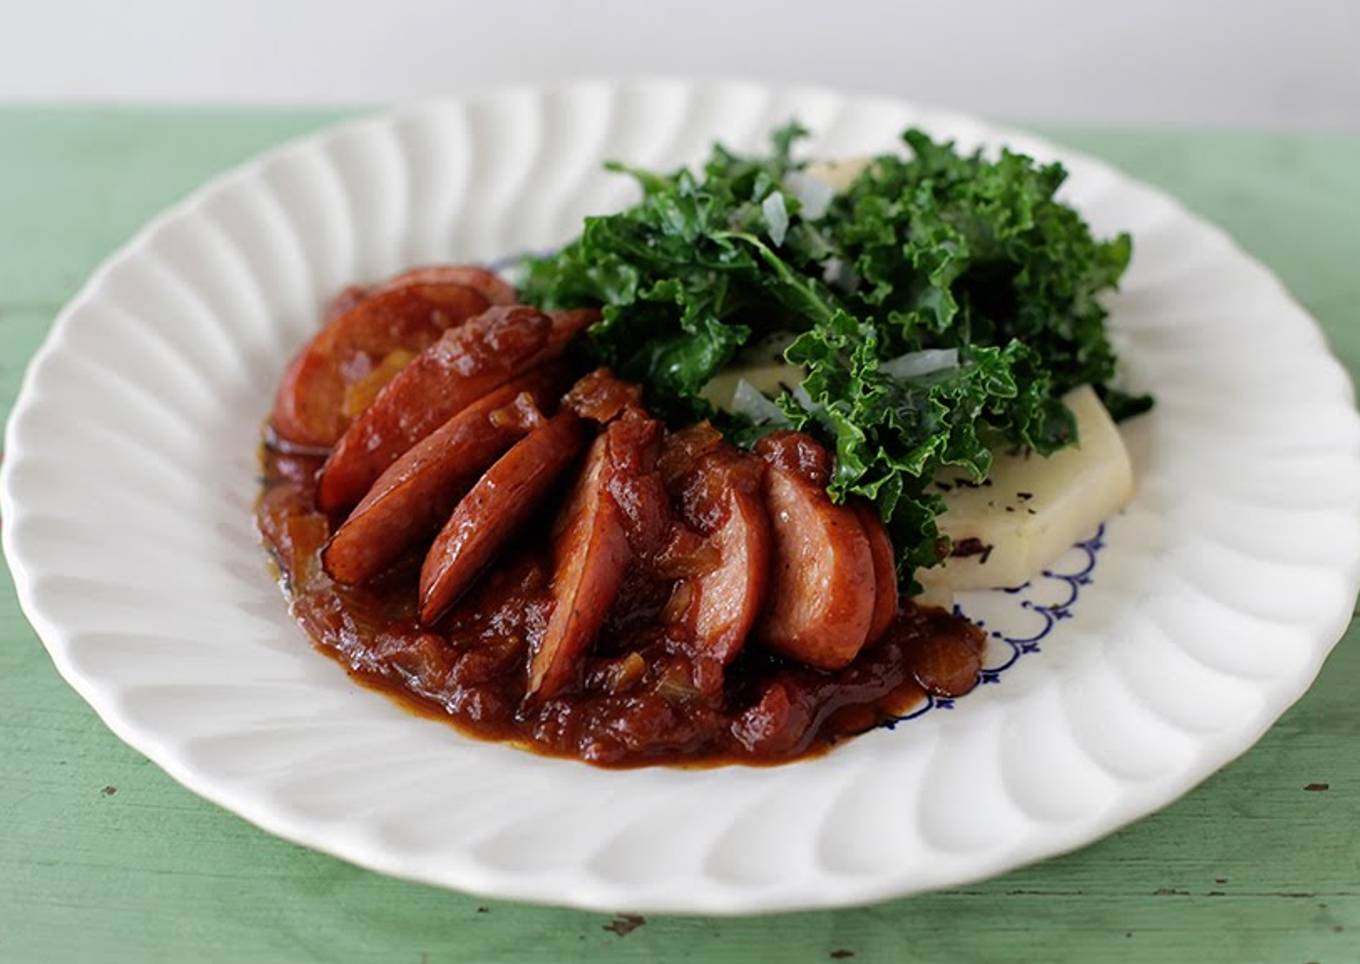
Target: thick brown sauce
(637,703)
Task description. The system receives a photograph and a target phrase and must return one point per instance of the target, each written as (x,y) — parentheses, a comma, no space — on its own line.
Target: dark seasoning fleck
(973,547)
(625,924)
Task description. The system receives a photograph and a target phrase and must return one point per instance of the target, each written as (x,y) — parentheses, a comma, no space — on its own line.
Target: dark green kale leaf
(955,249)
(893,434)
(935,250)
(683,276)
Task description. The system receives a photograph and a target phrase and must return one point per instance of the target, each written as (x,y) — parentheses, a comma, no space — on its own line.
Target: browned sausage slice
(823,589)
(719,495)
(494,508)
(485,282)
(633,441)
(590,554)
(728,599)
(482,280)
(885,569)
(309,408)
(460,368)
(418,491)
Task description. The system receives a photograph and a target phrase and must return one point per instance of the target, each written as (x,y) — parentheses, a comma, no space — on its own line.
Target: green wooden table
(103,858)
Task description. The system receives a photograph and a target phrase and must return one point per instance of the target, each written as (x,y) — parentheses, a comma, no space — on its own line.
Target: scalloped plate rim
(546,888)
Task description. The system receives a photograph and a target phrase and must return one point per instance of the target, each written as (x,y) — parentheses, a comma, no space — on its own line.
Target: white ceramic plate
(130,475)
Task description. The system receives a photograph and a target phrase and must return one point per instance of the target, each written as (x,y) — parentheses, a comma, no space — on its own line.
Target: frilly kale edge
(932,249)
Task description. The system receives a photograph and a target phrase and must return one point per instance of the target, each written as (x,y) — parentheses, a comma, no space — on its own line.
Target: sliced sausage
(728,599)
(484,281)
(418,491)
(590,555)
(458,369)
(494,509)
(719,494)
(309,408)
(361,393)
(823,589)
(885,569)
(633,442)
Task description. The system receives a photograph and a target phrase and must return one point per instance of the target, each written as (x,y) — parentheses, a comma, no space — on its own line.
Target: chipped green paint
(103,858)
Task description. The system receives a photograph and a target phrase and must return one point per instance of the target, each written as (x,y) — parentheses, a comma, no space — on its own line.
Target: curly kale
(934,249)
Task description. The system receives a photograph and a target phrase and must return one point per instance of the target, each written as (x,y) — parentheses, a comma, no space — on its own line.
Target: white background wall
(1220,62)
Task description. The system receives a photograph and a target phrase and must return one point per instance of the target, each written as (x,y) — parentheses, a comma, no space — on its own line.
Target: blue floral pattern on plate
(1036,608)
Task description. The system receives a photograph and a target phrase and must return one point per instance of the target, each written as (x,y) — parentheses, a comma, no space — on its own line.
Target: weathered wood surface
(104,858)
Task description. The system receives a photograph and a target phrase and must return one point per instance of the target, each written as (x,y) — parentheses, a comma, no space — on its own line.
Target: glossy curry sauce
(636,702)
